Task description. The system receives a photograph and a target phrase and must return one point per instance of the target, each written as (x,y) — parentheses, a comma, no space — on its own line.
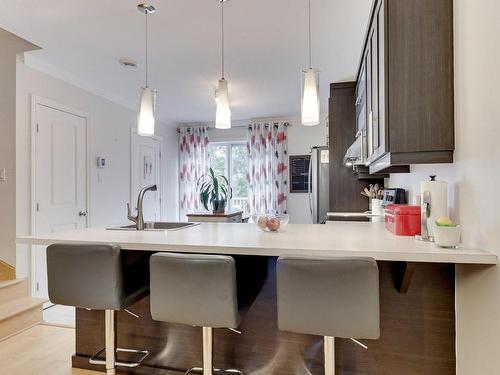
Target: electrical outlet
(3,175)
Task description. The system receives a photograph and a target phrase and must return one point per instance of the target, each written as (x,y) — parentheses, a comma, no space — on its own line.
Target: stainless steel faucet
(139,218)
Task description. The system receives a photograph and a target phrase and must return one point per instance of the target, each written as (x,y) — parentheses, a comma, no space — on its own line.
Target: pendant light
(146,117)
(310,107)
(223,112)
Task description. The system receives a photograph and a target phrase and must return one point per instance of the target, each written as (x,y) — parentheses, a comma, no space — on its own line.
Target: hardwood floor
(40,350)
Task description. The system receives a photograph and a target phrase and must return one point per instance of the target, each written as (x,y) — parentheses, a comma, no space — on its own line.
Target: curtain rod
(266,124)
(189,128)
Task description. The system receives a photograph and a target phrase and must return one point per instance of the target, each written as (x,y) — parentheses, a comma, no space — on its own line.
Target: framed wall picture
(299,173)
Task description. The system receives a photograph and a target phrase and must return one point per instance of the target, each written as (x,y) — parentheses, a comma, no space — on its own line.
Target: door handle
(83,213)
(309,187)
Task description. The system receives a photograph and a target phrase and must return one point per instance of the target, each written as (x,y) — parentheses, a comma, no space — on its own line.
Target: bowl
(271,222)
(447,236)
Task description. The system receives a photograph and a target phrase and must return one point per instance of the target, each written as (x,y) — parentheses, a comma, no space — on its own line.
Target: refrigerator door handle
(309,188)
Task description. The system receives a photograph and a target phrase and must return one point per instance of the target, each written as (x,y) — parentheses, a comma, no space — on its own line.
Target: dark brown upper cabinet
(404,89)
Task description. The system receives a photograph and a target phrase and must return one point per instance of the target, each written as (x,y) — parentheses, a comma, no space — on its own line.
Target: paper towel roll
(439,201)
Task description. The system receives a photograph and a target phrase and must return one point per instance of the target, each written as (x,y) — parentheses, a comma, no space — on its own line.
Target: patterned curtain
(267,168)
(193,163)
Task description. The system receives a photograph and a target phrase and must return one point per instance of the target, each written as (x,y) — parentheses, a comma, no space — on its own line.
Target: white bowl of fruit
(271,222)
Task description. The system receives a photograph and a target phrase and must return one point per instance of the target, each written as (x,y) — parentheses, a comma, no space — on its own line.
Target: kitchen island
(416,294)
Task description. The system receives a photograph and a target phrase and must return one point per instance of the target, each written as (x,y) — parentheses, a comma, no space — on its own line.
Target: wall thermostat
(101,162)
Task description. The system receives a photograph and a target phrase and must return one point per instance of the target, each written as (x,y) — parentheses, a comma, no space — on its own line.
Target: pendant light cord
(310,38)
(222,39)
(146,48)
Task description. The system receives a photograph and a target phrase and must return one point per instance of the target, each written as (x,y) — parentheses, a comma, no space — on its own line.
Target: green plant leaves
(213,188)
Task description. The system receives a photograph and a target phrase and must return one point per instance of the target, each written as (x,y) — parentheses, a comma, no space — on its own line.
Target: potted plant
(214,191)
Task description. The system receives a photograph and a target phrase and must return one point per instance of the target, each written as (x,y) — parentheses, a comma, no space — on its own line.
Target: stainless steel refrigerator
(319,184)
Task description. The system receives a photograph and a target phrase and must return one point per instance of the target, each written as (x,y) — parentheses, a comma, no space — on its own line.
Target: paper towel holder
(425,214)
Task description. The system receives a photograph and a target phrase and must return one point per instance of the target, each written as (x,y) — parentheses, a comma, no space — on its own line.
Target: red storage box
(403,220)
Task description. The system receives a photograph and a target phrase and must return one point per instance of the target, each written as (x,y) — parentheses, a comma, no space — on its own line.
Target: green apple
(445,222)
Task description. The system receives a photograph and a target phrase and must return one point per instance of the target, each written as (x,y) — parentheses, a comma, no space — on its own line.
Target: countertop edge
(478,259)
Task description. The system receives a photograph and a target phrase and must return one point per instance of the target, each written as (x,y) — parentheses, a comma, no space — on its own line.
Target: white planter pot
(376,207)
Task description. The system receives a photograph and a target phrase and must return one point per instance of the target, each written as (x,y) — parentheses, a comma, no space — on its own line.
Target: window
(231,160)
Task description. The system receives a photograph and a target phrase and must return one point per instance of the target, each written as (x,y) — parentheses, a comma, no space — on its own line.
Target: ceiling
(266,48)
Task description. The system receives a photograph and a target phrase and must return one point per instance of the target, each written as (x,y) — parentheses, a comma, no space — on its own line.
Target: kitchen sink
(157,225)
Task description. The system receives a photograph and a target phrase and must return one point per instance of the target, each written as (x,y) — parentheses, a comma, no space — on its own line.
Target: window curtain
(267,168)
(193,163)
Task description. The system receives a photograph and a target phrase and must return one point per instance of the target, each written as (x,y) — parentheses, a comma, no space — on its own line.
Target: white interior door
(60,181)
(146,171)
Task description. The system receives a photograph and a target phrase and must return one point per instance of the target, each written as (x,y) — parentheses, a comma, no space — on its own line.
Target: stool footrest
(95,361)
(216,370)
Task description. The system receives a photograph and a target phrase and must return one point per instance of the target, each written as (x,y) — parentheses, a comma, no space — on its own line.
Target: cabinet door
(369,112)
(361,101)
(376,122)
(375,88)
(382,125)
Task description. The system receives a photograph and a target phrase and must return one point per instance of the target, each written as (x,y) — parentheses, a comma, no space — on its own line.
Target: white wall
(419,173)
(300,141)
(110,138)
(474,181)
(10,46)
(170,175)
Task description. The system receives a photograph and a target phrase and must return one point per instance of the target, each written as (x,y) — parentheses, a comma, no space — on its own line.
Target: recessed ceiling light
(128,63)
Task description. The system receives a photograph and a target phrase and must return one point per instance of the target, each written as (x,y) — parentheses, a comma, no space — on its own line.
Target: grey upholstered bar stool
(196,290)
(330,297)
(93,277)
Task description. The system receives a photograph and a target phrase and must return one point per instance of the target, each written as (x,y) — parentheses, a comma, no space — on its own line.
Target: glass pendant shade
(223,113)
(146,119)
(310,97)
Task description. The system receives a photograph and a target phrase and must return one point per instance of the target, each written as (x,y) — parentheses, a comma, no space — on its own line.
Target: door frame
(159,168)
(35,101)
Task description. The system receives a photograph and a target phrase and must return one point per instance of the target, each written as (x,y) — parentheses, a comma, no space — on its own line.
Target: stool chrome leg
(329,348)
(208,356)
(199,370)
(208,351)
(110,341)
(110,349)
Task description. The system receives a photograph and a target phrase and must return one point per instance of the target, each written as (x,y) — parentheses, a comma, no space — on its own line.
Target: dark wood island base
(417,331)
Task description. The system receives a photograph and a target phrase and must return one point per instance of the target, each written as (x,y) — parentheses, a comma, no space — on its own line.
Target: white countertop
(334,239)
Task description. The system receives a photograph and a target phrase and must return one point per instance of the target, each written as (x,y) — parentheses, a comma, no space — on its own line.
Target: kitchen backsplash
(411,182)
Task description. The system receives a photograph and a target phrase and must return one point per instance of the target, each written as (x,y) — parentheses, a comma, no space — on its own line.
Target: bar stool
(329,297)
(93,277)
(196,290)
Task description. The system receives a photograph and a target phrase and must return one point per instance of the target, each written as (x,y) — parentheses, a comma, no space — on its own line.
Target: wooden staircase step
(7,272)
(12,289)
(19,314)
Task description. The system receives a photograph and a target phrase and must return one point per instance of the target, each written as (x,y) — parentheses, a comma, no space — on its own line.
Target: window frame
(229,162)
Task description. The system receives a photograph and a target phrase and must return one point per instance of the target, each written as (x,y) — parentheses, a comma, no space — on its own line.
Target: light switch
(325,156)
(3,175)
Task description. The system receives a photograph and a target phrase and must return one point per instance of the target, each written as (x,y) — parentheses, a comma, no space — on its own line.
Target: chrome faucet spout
(139,218)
